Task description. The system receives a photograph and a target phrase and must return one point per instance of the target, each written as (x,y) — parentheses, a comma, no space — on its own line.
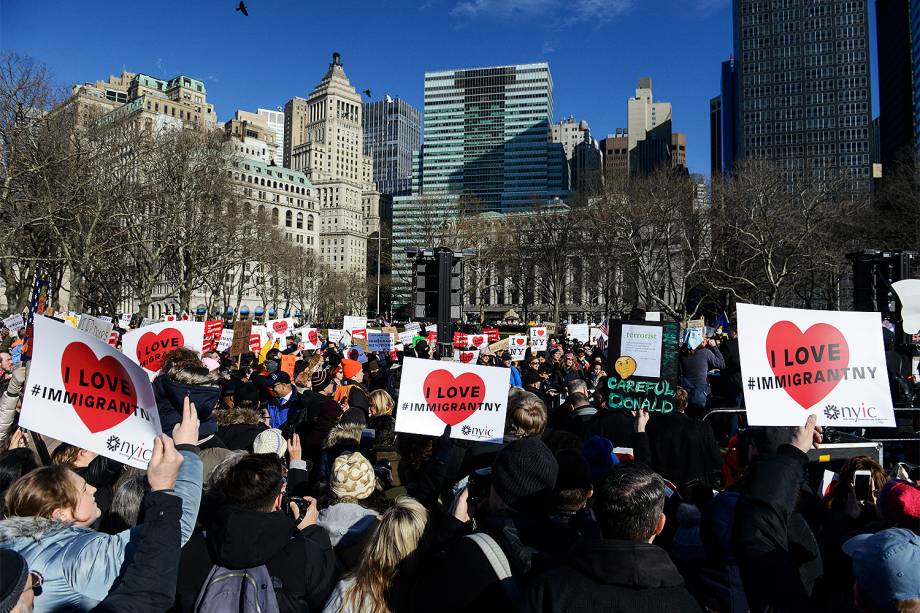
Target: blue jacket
(280,412)
(516,380)
(79,564)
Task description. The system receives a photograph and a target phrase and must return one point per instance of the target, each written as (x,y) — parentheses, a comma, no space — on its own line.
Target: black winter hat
(531,376)
(574,471)
(246,392)
(13,574)
(524,474)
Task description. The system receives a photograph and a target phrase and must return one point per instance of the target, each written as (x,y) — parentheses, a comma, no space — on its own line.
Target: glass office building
(392,133)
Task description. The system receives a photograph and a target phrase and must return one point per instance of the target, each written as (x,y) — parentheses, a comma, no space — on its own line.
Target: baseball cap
(279,376)
(886,564)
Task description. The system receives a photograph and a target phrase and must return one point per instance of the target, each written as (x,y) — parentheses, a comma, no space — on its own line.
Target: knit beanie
(13,574)
(352,477)
(598,451)
(350,368)
(270,441)
(899,503)
(524,473)
(320,379)
(574,471)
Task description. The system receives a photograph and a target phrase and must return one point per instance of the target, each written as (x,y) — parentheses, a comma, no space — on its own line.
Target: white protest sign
(146,321)
(335,336)
(406,337)
(431,328)
(95,326)
(466,357)
(14,322)
(908,291)
(147,346)
(595,333)
(643,345)
(653,316)
(354,322)
(280,328)
(105,318)
(309,336)
(225,340)
(379,341)
(517,347)
(124,321)
(413,326)
(539,337)
(578,332)
(83,392)
(471,399)
(477,341)
(796,362)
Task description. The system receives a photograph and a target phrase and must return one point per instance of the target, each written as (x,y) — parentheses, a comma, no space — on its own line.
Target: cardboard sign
(83,392)
(242,330)
(642,366)
(287,364)
(225,341)
(492,334)
(466,357)
(14,322)
(213,328)
(471,399)
(95,326)
(539,338)
(380,342)
(148,346)
(500,346)
(354,322)
(796,362)
(578,332)
(279,328)
(517,347)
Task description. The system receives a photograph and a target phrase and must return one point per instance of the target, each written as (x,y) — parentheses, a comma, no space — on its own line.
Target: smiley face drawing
(625,366)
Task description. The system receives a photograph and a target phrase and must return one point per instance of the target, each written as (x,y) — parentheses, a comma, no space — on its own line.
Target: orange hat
(350,368)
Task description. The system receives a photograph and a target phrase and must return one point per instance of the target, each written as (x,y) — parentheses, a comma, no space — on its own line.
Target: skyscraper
(728,100)
(715,135)
(803,85)
(295,127)
(895,79)
(649,130)
(392,132)
(332,159)
(275,122)
(615,152)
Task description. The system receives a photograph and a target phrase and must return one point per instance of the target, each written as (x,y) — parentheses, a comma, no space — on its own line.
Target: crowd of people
(277,491)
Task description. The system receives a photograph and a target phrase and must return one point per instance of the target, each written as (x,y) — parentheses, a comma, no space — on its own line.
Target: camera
(302,505)
(479,484)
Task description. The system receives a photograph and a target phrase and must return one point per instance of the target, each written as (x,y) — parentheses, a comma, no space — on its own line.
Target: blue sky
(597,49)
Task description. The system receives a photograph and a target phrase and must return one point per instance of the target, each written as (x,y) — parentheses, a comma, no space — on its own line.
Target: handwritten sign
(379,342)
(642,366)
(95,326)
(14,323)
(242,330)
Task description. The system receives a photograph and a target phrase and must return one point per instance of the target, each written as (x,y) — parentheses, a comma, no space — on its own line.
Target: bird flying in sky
(242,8)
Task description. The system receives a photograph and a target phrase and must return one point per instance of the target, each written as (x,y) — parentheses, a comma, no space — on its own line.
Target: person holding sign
(50,509)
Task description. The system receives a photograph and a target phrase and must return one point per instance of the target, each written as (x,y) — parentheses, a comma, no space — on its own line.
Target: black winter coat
(201,387)
(302,565)
(148,582)
(776,550)
(611,577)
(683,449)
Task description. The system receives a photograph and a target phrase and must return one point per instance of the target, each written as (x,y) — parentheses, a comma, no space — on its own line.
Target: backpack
(499,563)
(248,590)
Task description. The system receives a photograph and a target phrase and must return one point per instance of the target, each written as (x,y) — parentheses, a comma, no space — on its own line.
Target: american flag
(603,327)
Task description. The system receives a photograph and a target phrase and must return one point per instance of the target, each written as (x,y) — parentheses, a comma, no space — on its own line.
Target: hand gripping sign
(148,346)
(471,399)
(85,393)
(796,362)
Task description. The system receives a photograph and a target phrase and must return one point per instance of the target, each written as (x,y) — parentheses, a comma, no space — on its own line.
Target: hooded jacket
(79,564)
(608,576)
(238,427)
(302,564)
(349,526)
(202,387)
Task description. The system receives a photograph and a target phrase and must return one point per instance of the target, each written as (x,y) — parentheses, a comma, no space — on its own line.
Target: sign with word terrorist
(471,399)
(148,346)
(796,362)
(83,392)
(642,366)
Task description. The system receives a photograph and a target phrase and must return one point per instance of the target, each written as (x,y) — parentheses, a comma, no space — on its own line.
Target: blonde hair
(526,414)
(394,539)
(65,453)
(42,491)
(381,403)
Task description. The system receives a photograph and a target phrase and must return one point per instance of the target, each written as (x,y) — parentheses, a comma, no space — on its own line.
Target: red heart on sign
(541,332)
(519,340)
(280,326)
(313,337)
(791,352)
(466,357)
(477,341)
(101,391)
(152,348)
(453,399)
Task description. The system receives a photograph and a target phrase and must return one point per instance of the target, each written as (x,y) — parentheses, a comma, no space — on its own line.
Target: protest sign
(95,327)
(226,340)
(466,357)
(83,392)
(796,362)
(578,332)
(146,321)
(413,326)
(379,341)
(72,320)
(335,336)
(309,337)
(471,399)
(287,364)
(908,291)
(354,322)
(431,328)
(500,346)
(105,318)
(391,329)
(170,317)
(124,322)
(113,338)
(642,366)
(517,347)
(431,336)
(492,334)
(14,322)
(257,339)
(212,332)
(652,316)
(147,346)
(594,334)
(539,338)
(406,337)
(477,341)
(242,330)
(279,328)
